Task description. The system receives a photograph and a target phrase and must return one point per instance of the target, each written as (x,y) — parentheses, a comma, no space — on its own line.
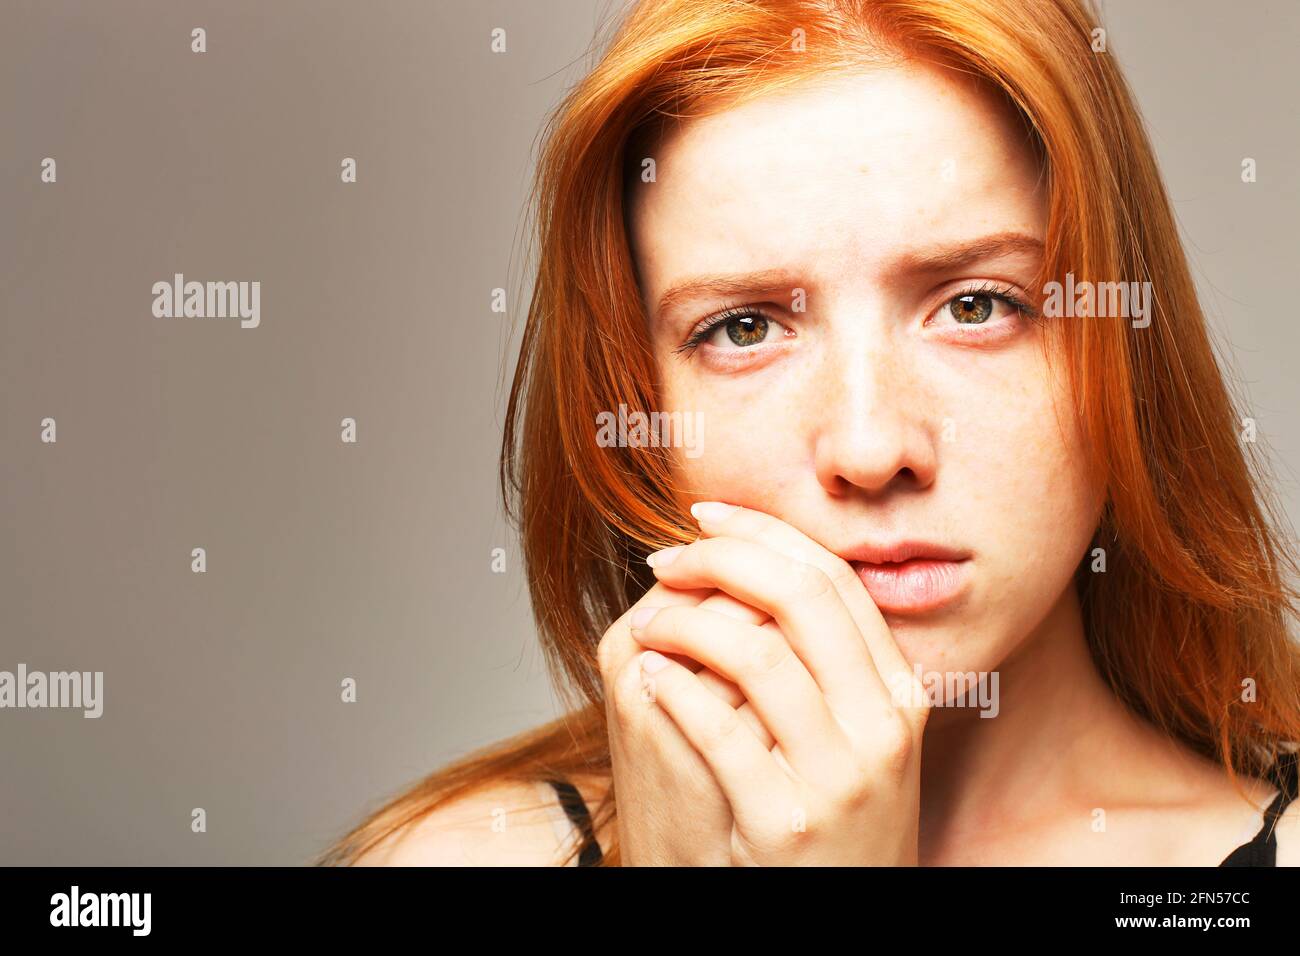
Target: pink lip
(911,577)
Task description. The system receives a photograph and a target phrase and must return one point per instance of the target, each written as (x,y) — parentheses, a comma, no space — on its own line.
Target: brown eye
(971,309)
(747,329)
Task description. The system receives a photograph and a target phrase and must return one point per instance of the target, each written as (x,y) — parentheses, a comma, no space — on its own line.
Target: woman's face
(872,387)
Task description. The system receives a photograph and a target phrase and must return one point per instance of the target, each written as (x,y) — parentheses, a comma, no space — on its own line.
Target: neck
(1057,725)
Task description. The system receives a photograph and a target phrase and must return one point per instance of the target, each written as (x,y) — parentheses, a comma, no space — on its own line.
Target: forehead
(851,170)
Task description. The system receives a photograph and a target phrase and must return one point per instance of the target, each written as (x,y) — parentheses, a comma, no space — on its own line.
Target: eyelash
(705,328)
(993,290)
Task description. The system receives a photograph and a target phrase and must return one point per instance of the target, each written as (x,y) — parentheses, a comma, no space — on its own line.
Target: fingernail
(652,662)
(712,511)
(641,617)
(658,559)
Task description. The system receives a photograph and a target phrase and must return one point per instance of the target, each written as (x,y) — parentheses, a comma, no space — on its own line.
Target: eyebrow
(965,253)
(721,286)
(943,259)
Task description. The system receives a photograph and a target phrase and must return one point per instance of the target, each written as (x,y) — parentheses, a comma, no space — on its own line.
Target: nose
(873,430)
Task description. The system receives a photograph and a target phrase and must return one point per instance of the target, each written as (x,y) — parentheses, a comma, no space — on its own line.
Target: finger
(746,772)
(724,603)
(719,519)
(722,688)
(643,739)
(617,647)
(729,694)
(726,690)
(718,685)
(806,606)
(774,680)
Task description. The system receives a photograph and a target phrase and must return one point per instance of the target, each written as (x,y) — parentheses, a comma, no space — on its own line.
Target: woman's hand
(671,811)
(841,786)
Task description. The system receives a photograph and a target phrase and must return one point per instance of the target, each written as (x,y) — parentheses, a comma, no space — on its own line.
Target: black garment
(576,810)
(1261,850)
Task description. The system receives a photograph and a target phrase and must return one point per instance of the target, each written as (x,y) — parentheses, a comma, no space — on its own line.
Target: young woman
(829,232)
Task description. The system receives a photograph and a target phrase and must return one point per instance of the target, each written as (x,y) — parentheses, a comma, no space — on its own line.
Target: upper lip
(899,551)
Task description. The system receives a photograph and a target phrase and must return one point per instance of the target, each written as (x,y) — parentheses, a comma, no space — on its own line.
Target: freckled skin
(879,421)
(868,427)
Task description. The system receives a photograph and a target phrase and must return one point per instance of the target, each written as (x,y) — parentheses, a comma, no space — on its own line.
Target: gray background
(370,561)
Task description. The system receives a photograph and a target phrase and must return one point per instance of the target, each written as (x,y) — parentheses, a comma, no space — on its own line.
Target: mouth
(912,577)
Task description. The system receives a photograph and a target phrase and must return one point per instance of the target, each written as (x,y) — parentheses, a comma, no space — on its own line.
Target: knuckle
(723,730)
(606,656)
(852,792)
(812,583)
(895,745)
(765,655)
(919,714)
(796,826)
(912,700)
(626,693)
(790,834)
(906,692)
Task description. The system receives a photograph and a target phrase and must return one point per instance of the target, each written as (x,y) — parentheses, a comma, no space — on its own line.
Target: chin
(953,644)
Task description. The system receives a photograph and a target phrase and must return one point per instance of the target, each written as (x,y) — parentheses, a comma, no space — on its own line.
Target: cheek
(1032,471)
(1019,493)
(1017,454)
(748,434)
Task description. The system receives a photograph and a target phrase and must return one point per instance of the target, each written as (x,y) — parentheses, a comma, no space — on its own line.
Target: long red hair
(1197,596)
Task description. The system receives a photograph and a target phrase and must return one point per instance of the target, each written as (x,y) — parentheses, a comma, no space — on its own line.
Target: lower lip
(913,586)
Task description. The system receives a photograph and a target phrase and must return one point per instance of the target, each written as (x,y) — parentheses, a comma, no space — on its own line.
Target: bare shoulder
(504,823)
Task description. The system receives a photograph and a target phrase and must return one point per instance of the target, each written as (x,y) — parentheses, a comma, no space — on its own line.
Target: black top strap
(575,808)
(1262,849)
